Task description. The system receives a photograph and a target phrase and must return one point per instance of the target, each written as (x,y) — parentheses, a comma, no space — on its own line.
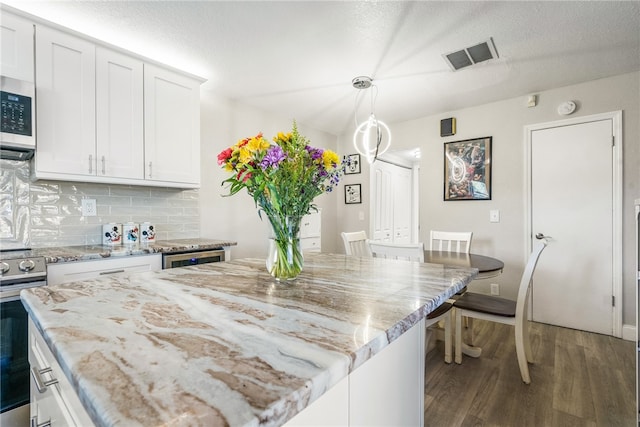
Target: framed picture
(353,164)
(352,194)
(467,169)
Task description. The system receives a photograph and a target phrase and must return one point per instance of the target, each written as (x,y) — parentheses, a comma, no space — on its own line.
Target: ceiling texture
(298,58)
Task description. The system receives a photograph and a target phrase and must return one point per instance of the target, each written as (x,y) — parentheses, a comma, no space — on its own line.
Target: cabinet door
(172,126)
(65,103)
(16,35)
(119,114)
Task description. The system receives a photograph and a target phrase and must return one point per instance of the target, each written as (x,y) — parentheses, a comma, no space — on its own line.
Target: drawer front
(56,402)
(83,270)
(311,244)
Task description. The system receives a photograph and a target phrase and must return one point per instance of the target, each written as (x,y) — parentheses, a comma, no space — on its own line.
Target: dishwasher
(192,257)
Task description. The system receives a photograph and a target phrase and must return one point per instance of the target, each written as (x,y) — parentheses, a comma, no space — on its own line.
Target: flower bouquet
(283,177)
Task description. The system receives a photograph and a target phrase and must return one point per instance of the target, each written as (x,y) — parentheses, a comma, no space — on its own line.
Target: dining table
(487,267)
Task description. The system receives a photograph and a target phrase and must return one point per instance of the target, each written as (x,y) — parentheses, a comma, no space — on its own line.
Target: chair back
(409,252)
(355,243)
(525,282)
(450,241)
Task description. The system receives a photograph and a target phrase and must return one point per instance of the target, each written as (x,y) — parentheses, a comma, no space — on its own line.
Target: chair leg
(458,346)
(522,358)
(447,337)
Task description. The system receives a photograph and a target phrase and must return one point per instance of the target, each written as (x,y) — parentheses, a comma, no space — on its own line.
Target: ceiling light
(372,138)
(462,58)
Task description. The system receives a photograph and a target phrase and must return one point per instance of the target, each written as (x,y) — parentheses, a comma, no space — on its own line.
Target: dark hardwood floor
(577,379)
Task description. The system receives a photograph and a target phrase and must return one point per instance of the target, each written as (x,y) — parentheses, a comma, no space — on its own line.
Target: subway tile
(124,190)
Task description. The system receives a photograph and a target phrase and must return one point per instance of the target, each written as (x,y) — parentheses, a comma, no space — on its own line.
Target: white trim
(616,118)
(629,332)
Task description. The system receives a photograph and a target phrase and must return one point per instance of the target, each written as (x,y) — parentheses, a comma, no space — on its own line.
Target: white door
(572,201)
(392,203)
(382,202)
(402,205)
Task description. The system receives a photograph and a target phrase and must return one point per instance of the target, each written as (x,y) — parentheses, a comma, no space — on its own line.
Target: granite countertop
(223,343)
(58,254)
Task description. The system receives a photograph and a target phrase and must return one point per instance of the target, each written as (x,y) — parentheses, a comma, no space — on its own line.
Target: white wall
(505,121)
(223,123)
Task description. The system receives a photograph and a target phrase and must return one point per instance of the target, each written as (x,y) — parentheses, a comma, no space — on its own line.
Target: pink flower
(224,156)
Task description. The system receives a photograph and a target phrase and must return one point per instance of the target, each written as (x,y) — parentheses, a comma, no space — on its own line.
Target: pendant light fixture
(372,138)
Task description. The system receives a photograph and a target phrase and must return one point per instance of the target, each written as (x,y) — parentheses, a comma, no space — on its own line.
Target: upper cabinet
(110,117)
(65,105)
(16,37)
(171,126)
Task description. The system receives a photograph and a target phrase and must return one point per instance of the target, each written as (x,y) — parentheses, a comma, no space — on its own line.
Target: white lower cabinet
(84,270)
(310,232)
(53,400)
(387,390)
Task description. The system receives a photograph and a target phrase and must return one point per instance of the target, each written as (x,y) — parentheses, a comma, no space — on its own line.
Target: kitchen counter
(95,252)
(224,343)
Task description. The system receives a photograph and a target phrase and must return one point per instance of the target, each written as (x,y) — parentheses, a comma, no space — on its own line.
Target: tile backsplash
(54,209)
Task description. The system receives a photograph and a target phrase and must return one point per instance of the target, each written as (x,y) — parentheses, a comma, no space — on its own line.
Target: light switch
(494,215)
(361,216)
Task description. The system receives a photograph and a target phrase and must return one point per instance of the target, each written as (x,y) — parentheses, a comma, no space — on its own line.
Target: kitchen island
(224,343)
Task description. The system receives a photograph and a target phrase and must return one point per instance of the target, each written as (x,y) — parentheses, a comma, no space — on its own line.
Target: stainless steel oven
(18,271)
(192,257)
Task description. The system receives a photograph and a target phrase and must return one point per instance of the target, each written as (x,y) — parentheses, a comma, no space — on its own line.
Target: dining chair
(450,241)
(406,251)
(415,252)
(501,310)
(355,243)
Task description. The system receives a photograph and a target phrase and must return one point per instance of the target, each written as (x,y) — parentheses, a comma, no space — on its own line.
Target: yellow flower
(257,144)
(283,137)
(330,159)
(245,155)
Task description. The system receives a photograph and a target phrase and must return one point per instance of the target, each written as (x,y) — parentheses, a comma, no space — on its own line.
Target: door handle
(541,236)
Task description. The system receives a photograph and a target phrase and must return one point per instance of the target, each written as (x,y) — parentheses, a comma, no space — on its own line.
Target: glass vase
(285,260)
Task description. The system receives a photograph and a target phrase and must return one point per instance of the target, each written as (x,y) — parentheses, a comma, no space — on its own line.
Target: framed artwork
(352,162)
(467,169)
(352,194)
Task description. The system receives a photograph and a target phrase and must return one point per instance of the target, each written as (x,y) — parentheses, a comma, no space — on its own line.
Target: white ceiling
(298,58)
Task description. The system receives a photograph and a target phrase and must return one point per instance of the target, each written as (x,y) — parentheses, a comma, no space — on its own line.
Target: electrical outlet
(89,207)
(495,289)
(494,216)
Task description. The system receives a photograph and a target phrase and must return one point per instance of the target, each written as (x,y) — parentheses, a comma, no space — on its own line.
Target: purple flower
(316,153)
(274,157)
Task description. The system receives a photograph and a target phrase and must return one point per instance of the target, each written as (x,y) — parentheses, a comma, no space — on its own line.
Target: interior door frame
(616,118)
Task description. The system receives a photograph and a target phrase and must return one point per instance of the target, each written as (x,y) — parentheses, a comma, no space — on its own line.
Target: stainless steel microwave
(18,130)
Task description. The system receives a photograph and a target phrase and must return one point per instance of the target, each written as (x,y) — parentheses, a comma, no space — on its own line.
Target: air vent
(471,55)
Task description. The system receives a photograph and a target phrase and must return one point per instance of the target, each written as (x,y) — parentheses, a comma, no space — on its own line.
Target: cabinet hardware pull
(103,172)
(90,163)
(150,165)
(102,273)
(34,422)
(40,383)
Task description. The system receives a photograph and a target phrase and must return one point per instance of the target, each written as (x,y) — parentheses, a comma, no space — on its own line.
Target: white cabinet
(310,232)
(172,126)
(53,400)
(108,116)
(85,270)
(65,103)
(119,115)
(387,390)
(16,36)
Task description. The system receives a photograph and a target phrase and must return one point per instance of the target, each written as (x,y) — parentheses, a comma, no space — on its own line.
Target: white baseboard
(629,332)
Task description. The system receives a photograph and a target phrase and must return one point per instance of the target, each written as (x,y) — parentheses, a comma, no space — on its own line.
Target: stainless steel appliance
(18,271)
(192,257)
(17,128)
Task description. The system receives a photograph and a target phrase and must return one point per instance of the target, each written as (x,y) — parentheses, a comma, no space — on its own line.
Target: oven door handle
(41,384)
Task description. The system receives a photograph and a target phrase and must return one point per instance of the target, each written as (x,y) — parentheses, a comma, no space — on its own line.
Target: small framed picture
(467,169)
(352,194)
(352,162)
